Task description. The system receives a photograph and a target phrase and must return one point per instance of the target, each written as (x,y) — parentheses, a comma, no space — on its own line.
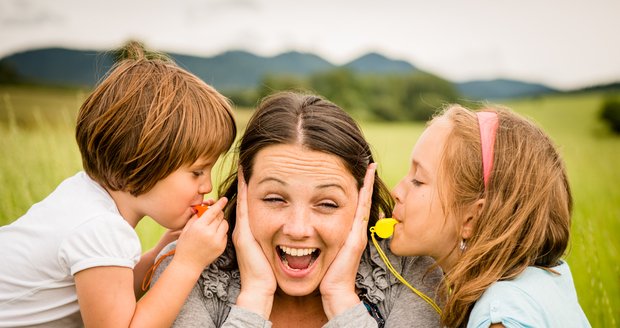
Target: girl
(487,196)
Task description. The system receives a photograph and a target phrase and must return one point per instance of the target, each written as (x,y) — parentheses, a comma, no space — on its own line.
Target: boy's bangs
(210,132)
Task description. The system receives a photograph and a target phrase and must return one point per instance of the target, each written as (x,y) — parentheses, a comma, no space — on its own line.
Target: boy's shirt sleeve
(101,241)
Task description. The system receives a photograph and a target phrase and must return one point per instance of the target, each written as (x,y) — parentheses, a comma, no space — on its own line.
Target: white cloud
(565,44)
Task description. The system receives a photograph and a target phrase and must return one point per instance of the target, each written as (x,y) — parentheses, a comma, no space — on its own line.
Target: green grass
(38,151)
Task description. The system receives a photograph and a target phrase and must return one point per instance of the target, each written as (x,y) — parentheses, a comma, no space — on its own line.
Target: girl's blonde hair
(525,218)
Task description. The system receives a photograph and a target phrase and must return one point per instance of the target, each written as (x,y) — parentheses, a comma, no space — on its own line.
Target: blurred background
(391,64)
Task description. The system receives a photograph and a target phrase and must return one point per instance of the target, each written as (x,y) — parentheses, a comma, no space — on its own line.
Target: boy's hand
(203,239)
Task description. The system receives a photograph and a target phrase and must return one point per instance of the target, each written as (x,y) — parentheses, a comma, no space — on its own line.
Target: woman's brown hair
(147,118)
(525,218)
(316,124)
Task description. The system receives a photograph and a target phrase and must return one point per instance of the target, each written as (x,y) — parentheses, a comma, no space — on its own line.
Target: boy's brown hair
(146,119)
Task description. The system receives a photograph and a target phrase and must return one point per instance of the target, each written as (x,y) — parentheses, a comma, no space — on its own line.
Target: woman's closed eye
(273,199)
(328,204)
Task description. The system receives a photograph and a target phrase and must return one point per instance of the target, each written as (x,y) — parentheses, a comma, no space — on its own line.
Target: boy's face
(170,201)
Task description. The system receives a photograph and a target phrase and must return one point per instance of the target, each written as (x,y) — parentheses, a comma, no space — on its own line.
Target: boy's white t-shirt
(76,227)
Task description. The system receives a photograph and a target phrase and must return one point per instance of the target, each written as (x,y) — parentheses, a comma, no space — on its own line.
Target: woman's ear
(469,220)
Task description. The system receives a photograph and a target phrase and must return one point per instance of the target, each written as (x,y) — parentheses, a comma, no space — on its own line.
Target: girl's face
(423,228)
(301,205)
(170,201)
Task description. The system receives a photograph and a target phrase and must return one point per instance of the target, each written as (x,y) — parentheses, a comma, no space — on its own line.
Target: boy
(149,135)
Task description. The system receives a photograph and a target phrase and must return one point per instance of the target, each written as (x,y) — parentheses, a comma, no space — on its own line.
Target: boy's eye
(198,173)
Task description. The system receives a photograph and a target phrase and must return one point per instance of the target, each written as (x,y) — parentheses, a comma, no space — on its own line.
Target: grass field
(37,151)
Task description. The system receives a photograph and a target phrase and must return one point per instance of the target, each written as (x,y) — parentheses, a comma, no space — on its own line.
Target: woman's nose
(298,225)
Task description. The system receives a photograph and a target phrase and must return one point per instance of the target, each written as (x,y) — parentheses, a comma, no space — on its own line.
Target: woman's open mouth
(297,259)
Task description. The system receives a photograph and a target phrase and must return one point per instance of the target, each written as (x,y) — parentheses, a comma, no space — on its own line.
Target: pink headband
(488,122)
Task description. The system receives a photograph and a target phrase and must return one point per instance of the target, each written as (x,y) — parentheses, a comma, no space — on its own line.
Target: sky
(564,44)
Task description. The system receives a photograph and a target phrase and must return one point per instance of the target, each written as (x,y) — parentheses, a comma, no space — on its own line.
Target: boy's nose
(204,188)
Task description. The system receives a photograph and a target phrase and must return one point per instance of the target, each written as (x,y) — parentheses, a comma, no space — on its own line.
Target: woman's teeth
(298,258)
(297,251)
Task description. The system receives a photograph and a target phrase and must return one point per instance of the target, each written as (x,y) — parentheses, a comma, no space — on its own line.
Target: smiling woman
(299,211)
(303,203)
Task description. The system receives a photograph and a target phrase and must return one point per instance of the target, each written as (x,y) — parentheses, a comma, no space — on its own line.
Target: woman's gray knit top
(211,302)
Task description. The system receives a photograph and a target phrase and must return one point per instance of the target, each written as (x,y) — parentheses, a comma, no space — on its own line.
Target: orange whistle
(200,209)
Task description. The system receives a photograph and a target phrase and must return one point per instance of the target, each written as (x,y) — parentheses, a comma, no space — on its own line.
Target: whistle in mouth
(200,209)
(385,227)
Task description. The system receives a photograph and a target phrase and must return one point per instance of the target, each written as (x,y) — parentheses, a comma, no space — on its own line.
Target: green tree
(8,73)
(271,83)
(610,113)
(423,94)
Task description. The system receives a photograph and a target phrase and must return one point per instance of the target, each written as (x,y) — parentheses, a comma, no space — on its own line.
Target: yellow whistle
(385,227)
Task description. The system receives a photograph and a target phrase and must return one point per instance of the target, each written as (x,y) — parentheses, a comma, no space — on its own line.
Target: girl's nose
(396,192)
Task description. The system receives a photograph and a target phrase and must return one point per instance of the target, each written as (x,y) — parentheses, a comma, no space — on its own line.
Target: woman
(300,208)
(488,198)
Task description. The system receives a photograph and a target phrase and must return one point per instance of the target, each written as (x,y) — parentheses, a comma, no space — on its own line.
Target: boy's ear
(471,215)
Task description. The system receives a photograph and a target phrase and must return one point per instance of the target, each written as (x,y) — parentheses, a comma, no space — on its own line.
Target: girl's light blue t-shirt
(535,298)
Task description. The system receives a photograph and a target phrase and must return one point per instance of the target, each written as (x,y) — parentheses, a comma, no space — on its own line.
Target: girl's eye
(416,182)
(198,173)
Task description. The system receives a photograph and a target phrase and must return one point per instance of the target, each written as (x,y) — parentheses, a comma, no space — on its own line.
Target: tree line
(383,97)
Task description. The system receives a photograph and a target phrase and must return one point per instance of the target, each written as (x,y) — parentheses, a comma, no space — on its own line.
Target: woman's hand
(258,283)
(338,285)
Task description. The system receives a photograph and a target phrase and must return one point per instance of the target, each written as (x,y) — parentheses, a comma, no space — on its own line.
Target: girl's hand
(258,283)
(338,285)
(203,239)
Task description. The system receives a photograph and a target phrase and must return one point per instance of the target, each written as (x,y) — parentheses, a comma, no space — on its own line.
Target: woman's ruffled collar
(221,283)
(372,277)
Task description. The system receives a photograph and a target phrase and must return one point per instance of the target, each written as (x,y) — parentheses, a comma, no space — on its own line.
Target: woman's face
(423,227)
(301,205)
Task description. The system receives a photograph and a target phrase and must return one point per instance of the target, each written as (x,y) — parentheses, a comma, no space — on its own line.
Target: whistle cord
(146,282)
(398,276)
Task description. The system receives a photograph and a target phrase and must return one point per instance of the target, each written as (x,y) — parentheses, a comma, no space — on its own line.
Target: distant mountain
(614,86)
(232,70)
(59,66)
(501,89)
(229,70)
(240,69)
(378,64)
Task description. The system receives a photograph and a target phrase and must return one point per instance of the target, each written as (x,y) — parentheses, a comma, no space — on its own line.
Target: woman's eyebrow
(268,179)
(330,185)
